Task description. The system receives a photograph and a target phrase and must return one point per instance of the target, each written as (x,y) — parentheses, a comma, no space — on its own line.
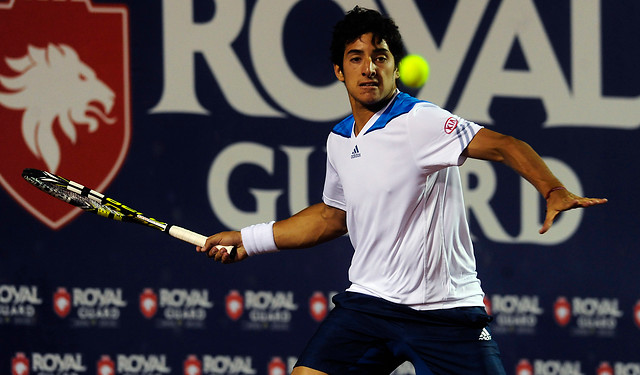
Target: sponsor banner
(259,310)
(588,316)
(89,307)
(174,308)
(19,304)
(214,114)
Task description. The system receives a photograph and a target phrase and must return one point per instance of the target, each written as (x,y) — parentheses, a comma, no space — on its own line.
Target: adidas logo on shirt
(484,335)
(355,153)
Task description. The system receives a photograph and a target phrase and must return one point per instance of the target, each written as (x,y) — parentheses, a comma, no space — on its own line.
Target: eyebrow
(359,51)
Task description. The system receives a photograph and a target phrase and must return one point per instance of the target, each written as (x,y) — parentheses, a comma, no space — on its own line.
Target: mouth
(369,84)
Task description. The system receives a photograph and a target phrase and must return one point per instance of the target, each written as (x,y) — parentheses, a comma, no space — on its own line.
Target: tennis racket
(95,202)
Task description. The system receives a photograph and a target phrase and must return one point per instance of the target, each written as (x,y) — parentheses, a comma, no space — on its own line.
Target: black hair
(360,21)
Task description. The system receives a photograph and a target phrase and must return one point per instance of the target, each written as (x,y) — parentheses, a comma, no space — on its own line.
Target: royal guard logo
(636,313)
(64,97)
(487,304)
(62,302)
(234,305)
(604,369)
(148,303)
(20,365)
(277,367)
(192,365)
(318,306)
(524,368)
(105,366)
(562,311)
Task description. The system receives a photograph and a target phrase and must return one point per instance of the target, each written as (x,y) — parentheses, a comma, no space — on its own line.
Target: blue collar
(400,105)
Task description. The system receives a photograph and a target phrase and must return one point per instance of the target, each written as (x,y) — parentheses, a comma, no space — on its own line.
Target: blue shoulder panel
(402,104)
(344,127)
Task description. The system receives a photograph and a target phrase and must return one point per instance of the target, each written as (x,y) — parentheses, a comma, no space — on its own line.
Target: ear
(338,73)
(396,73)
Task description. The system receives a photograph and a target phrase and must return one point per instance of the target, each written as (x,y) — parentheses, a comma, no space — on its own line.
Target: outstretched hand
(213,247)
(563,200)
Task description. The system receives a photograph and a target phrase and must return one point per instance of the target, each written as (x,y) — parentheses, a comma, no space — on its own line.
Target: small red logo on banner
(148,303)
(20,365)
(234,305)
(62,302)
(524,368)
(605,369)
(277,367)
(106,366)
(318,306)
(192,365)
(562,311)
(487,304)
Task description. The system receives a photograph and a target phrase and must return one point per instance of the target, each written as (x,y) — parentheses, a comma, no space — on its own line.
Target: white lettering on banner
(146,364)
(57,363)
(222,364)
(218,185)
(553,367)
(477,199)
(95,297)
(627,368)
(19,295)
(183,39)
(579,104)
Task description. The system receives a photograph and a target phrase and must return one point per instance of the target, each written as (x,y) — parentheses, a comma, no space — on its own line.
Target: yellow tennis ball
(414,71)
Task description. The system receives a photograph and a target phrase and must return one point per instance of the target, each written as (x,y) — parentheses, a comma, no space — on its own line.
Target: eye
(82,77)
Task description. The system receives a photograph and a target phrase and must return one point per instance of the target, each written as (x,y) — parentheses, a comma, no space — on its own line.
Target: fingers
(565,204)
(223,247)
(548,221)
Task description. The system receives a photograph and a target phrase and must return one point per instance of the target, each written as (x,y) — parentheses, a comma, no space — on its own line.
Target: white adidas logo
(484,335)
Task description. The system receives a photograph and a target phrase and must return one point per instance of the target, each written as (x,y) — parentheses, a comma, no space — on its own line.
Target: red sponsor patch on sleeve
(450,125)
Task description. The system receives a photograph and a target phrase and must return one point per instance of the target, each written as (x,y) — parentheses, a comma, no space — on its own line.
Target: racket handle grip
(192,237)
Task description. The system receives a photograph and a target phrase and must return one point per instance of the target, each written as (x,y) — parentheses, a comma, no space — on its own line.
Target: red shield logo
(105,365)
(318,306)
(277,367)
(234,305)
(524,368)
(636,313)
(192,366)
(62,302)
(148,303)
(20,365)
(604,369)
(64,97)
(562,311)
(487,304)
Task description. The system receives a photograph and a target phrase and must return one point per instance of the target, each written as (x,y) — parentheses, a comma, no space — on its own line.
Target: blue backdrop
(213,115)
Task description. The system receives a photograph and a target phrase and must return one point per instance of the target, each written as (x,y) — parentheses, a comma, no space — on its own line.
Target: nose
(369,69)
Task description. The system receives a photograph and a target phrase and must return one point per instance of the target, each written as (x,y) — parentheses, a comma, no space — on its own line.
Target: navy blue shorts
(368,335)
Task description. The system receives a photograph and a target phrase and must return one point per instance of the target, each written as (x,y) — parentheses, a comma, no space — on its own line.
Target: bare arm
(518,155)
(313,225)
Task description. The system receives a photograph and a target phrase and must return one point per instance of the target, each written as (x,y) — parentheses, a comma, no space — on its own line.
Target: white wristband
(258,239)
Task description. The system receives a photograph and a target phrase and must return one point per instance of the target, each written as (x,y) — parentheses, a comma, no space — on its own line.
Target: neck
(362,113)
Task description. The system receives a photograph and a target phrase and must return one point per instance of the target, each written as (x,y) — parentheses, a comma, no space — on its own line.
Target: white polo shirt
(399,184)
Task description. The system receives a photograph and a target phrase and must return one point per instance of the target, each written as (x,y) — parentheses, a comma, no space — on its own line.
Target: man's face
(368,72)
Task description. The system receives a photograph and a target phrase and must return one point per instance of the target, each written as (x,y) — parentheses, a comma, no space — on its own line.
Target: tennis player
(392,182)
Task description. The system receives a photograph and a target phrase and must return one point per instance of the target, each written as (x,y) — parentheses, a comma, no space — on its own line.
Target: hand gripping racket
(95,202)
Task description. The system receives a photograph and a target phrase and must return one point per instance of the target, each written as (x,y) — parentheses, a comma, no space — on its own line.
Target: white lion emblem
(53,83)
